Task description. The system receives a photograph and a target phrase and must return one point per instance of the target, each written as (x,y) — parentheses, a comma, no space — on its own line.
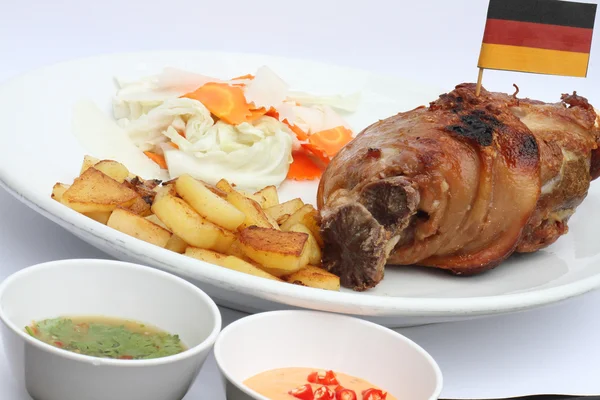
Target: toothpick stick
(479,78)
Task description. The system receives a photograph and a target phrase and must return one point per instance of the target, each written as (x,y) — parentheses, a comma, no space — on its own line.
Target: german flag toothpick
(538,36)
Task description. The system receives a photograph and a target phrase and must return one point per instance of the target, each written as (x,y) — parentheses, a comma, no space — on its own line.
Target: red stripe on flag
(541,36)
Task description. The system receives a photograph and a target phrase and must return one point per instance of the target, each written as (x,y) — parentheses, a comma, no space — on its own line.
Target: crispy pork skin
(459,185)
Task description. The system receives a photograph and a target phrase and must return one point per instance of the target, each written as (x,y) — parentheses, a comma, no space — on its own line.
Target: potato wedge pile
(251,233)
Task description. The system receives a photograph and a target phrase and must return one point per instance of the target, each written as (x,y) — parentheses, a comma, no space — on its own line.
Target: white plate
(40,149)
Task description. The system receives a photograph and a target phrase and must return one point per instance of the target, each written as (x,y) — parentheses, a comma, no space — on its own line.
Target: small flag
(540,36)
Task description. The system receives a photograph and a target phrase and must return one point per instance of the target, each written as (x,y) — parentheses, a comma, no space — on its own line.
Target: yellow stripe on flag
(529,59)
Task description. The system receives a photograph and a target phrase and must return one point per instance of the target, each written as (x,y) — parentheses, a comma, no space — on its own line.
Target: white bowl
(112,289)
(318,340)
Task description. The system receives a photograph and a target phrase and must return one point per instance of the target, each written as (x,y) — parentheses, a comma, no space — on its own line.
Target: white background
(549,350)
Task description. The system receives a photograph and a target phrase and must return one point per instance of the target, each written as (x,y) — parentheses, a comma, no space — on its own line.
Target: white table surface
(554,349)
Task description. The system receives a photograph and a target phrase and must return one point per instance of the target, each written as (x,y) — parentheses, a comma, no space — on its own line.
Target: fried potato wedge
(269,196)
(58,190)
(279,253)
(208,204)
(287,208)
(313,249)
(155,220)
(175,243)
(230,262)
(225,186)
(236,250)
(114,169)
(140,207)
(256,197)
(254,214)
(164,190)
(215,190)
(315,277)
(181,219)
(312,220)
(88,161)
(209,256)
(95,191)
(297,217)
(133,225)
(273,222)
(99,216)
(307,216)
(237,264)
(282,219)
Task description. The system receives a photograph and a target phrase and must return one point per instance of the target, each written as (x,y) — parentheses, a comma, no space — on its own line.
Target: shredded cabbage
(251,155)
(148,128)
(311,119)
(245,154)
(347,103)
(136,98)
(266,90)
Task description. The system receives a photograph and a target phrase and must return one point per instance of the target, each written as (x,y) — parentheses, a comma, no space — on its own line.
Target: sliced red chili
(374,394)
(304,392)
(126,358)
(59,344)
(324,393)
(313,377)
(328,378)
(342,393)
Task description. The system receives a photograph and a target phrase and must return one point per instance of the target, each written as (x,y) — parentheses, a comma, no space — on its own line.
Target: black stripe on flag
(551,12)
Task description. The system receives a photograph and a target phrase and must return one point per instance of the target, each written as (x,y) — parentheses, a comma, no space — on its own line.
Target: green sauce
(106,338)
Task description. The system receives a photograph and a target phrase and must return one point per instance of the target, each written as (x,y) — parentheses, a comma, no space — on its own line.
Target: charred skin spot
(478,125)
(519,151)
(528,147)
(449,102)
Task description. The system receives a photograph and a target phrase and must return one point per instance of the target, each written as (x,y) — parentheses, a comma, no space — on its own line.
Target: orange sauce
(276,383)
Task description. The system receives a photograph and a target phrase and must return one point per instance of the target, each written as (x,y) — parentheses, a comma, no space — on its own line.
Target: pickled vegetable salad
(251,130)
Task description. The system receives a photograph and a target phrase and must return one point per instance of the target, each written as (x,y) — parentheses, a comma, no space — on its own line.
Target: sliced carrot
(157,158)
(330,141)
(257,113)
(300,134)
(225,101)
(238,78)
(318,153)
(247,76)
(272,113)
(303,168)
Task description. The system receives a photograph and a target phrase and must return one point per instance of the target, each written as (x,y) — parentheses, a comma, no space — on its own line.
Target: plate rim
(386,306)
